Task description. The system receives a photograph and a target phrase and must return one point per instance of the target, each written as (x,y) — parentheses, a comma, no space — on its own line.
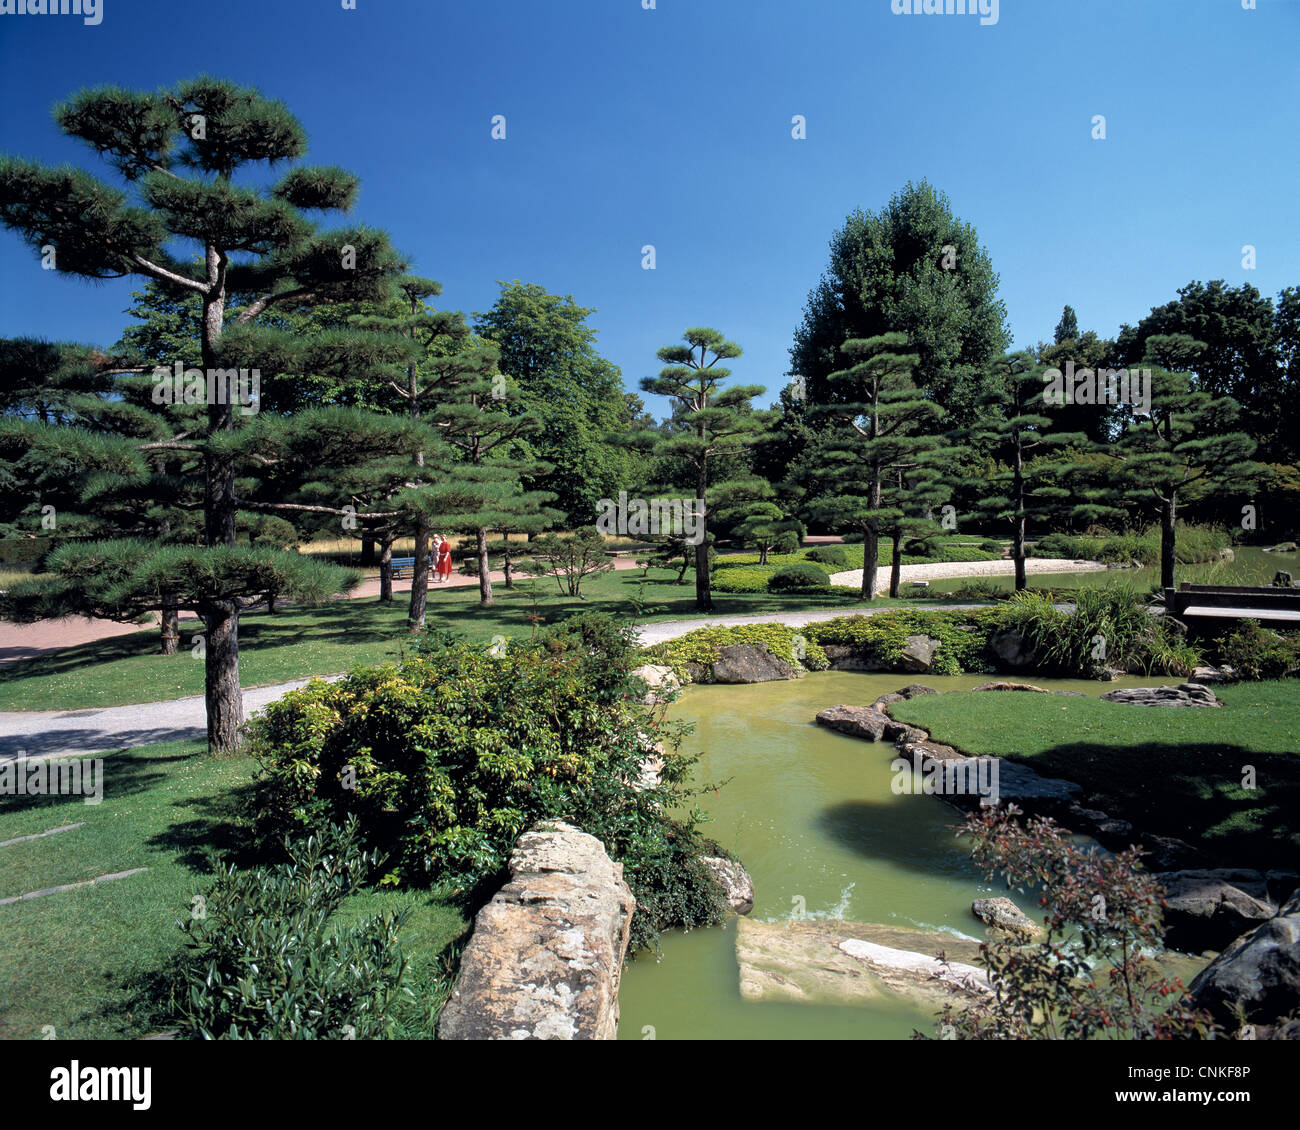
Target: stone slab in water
(547,951)
(853,963)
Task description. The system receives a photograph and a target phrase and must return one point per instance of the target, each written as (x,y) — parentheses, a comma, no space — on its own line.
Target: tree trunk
(896,565)
(506,565)
(386,569)
(703,589)
(221,692)
(870,559)
(171,623)
(484,582)
(419,580)
(1168,515)
(1018,523)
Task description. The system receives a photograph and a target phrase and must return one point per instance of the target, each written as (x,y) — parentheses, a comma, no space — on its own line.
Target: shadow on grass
(122,775)
(223,824)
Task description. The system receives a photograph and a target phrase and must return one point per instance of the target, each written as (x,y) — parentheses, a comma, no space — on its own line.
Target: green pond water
(812,816)
(1250,566)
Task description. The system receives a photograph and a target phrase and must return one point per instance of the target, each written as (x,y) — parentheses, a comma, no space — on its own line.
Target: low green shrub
(834,555)
(1195,544)
(1254,652)
(799,578)
(445,758)
(266,959)
(794,645)
(881,638)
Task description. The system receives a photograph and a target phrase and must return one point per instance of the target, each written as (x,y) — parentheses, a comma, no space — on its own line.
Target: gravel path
(944,570)
(83,733)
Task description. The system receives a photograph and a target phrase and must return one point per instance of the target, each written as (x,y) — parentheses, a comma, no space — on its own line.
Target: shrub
(880,639)
(266,961)
(1094,976)
(1112,626)
(833,555)
(1256,653)
(799,578)
(992,547)
(446,758)
(788,541)
(700,647)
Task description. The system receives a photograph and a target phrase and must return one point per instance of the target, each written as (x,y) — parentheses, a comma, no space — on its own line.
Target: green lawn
(80,961)
(1172,772)
(298,642)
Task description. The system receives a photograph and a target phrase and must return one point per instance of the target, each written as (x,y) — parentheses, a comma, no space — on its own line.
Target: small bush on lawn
(833,555)
(267,961)
(700,647)
(446,758)
(1256,653)
(799,578)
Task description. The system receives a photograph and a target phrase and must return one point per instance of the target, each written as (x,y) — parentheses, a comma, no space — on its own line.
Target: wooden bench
(400,563)
(1207,607)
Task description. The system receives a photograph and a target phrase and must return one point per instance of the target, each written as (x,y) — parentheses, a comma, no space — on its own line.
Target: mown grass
(1175,772)
(86,962)
(299,641)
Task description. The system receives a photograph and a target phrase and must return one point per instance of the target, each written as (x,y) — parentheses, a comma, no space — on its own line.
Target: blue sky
(672,127)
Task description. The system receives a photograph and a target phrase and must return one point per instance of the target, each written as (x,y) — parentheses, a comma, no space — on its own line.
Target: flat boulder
(749,663)
(828,962)
(1004,917)
(1209,909)
(1183,695)
(1258,974)
(735,882)
(913,690)
(857,721)
(1003,686)
(547,951)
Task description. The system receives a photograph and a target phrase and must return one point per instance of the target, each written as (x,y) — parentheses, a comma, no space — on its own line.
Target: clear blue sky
(672,127)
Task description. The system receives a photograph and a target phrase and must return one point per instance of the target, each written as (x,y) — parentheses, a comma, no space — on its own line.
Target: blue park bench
(400,563)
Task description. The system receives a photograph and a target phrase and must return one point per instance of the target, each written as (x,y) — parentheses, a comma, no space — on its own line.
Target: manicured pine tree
(1018,430)
(1188,445)
(715,424)
(179,152)
(879,426)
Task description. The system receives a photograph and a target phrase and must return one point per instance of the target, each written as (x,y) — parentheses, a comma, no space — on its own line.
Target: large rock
(847,657)
(918,654)
(1282,547)
(749,663)
(1012,649)
(661,684)
(853,963)
(856,721)
(1002,916)
(1208,910)
(1258,974)
(914,690)
(547,951)
(737,886)
(1183,695)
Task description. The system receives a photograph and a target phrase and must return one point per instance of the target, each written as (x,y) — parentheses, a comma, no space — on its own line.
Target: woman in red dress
(444,558)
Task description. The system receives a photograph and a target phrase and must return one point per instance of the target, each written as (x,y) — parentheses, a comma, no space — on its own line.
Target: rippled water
(812,816)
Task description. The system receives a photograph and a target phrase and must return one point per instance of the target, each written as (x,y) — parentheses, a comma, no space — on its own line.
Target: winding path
(85,733)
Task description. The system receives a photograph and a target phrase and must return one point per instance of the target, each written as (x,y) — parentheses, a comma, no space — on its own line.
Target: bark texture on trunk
(222,694)
(419,581)
(170,624)
(386,569)
(1167,541)
(484,582)
(896,565)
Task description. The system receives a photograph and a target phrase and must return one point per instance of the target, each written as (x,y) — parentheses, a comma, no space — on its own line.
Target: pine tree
(1018,431)
(1188,445)
(879,427)
(179,152)
(715,424)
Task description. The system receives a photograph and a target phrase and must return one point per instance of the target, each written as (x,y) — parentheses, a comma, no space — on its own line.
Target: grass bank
(84,962)
(1175,772)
